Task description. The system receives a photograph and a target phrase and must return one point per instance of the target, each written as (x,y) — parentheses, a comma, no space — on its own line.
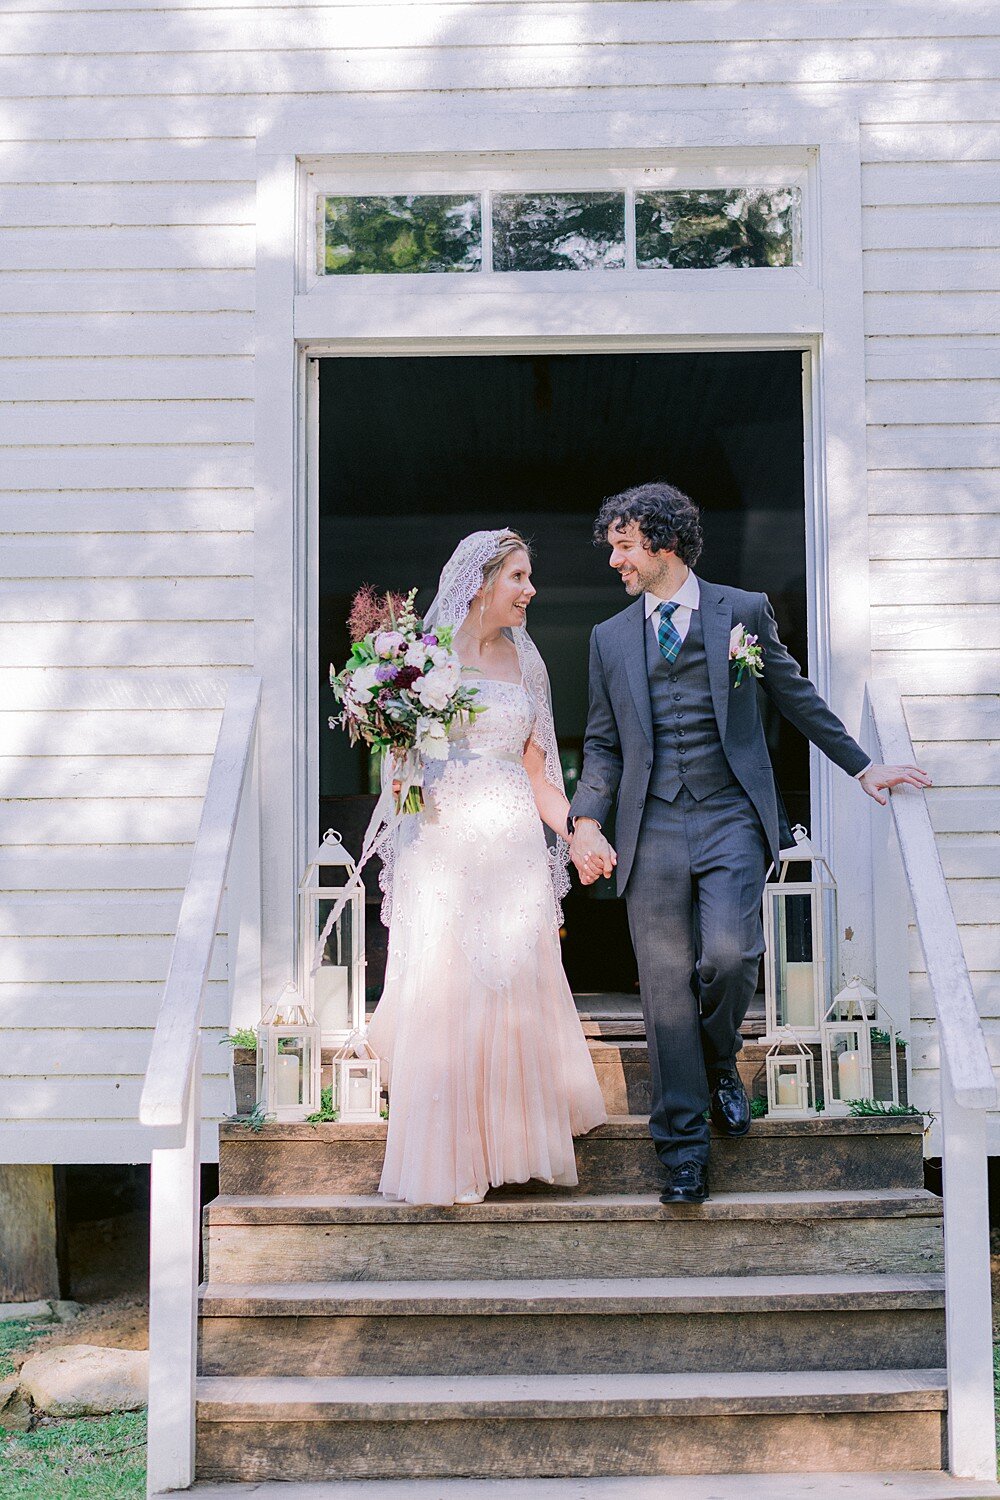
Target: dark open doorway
(416,452)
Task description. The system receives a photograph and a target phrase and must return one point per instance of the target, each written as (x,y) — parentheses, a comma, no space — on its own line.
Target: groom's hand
(878,780)
(591,852)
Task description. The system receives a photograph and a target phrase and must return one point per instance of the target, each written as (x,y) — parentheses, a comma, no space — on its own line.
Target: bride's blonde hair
(510,542)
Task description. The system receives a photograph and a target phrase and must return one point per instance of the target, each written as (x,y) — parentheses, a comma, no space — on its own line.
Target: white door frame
(299,317)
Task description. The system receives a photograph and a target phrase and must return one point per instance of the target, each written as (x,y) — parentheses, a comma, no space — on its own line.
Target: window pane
(558,231)
(423,232)
(718,227)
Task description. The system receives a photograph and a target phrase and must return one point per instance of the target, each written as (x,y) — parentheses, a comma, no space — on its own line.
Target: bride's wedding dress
(489,1073)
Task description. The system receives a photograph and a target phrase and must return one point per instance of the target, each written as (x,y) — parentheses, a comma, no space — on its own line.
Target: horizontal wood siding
(126,460)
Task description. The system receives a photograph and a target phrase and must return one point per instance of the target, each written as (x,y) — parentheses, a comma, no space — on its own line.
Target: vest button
(649,765)
(673,677)
(681,733)
(677,697)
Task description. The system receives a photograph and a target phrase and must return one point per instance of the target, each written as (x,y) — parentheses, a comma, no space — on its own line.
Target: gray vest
(688,751)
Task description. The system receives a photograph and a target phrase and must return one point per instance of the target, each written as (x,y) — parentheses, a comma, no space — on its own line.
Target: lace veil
(461,578)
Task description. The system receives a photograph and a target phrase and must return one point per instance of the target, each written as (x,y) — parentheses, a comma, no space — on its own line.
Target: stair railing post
(175,1197)
(972,1439)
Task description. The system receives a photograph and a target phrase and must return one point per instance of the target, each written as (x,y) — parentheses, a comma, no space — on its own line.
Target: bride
(489,1073)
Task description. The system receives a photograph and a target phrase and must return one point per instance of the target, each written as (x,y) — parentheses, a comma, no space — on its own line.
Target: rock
(26,1312)
(15,1409)
(85,1380)
(65,1312)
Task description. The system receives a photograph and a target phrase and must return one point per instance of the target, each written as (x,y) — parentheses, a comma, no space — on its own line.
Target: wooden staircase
(794,1323)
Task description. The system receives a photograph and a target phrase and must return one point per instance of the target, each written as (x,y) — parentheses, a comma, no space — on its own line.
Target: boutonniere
(745,654)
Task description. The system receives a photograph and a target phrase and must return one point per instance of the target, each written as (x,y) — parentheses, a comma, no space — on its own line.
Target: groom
(678,748)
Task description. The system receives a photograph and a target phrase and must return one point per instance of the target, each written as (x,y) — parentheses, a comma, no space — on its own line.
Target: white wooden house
(166,310)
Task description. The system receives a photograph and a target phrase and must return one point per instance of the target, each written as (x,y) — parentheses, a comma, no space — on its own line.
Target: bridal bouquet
(401,689)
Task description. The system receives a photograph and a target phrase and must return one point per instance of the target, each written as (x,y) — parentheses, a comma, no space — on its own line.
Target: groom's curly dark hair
(667,519)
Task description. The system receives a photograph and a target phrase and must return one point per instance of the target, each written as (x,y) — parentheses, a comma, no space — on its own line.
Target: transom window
(670,228)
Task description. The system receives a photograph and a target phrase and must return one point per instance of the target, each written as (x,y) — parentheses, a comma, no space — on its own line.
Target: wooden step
(778,1155)
(306,1428)
(337,1238)
(622,1068)
(618,1015)
(678,1325)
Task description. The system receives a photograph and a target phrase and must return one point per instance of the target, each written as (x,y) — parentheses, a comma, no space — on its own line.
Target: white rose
(441,657)
(362,684)
(416,656)
(432,739)
(436,688)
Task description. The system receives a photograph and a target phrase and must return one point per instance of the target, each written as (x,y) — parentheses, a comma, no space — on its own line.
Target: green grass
(17,1336)
(88,1458)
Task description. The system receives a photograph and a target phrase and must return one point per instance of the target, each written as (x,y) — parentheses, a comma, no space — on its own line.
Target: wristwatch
(571,823)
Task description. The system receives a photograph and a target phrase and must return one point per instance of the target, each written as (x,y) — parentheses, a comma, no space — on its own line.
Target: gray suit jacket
(618,748)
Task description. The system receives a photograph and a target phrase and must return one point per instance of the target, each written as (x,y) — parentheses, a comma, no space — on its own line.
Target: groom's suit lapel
(633,628)
(716,624)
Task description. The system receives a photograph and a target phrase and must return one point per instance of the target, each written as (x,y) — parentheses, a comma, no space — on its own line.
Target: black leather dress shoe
(687,1183)
(730,1105)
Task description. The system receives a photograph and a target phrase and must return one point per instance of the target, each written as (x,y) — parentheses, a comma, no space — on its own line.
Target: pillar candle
(287,1078)
(330,993)
(849,1074)
(788,1090)
(800,1007)
(358,1089)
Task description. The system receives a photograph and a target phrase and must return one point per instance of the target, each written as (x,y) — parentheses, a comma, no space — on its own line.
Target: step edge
(573,1296)
(361,1208)
(616,1127)
(337,1398)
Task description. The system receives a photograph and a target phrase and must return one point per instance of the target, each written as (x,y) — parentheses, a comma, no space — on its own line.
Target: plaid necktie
(668,635)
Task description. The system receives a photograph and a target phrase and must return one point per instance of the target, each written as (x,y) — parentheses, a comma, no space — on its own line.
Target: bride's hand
(591,852)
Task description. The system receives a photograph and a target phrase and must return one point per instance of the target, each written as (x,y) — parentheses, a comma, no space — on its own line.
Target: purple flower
(386,673)
(429,640)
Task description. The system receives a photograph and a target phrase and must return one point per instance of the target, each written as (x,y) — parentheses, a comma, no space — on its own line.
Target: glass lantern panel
(888,1063)
(291,1071)
(790,1074)
(359,1088)
(846,1067)
(793,959)
(333,981)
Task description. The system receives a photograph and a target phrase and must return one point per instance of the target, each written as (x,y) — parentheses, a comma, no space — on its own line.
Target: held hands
(877,780)
(590,852)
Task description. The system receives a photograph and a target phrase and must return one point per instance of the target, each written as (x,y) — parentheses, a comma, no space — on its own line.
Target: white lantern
(288,1058)
(800,936)
(357,1086)
(861,1052)
(335,990)
(791,1079)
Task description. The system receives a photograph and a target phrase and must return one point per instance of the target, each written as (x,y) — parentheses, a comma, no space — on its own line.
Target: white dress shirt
(687,599)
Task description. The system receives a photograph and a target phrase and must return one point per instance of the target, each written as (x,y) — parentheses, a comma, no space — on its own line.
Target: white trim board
(820,312)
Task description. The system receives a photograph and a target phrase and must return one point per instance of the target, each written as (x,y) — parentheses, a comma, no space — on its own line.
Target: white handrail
(968,1089)
(171,1096)
(177,1026)
(962,1039)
